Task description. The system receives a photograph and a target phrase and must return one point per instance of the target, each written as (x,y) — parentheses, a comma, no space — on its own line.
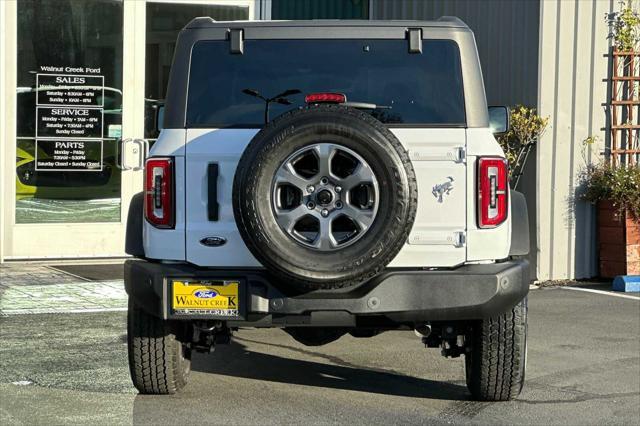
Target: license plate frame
(206,304)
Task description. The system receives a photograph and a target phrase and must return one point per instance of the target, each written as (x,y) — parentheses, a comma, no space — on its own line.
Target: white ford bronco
(328,177)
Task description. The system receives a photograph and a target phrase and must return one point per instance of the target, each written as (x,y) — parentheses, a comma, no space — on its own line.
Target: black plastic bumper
(396,296)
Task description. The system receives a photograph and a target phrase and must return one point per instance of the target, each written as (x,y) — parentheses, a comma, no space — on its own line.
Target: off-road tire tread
(412,200)
(496,364)
(154,361)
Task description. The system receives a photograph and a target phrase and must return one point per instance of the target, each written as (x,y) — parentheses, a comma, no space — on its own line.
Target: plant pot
(618,242)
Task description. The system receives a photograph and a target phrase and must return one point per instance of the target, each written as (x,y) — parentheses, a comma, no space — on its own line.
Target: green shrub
(624,26)
(526,128)
(620,185)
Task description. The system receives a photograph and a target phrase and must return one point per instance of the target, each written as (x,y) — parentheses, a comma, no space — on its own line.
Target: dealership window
(164,22)
(69,99)
(69,110)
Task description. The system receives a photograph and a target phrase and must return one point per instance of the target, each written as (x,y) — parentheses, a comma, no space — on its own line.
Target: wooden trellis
(623,107)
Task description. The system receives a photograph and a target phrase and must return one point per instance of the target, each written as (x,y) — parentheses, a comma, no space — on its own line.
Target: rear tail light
(159,192)
(332,98)
(493,192)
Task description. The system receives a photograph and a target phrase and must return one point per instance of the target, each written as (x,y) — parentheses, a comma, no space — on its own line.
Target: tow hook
(453,342)
(449,338)
(206,334)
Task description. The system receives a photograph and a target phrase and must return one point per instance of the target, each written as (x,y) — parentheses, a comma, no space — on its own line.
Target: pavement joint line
(60,271)
(606,293)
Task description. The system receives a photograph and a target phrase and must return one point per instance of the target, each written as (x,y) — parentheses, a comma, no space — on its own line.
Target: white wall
(571,90)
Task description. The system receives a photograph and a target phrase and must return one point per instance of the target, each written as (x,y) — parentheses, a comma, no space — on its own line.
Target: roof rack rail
(200,21)
(453,20)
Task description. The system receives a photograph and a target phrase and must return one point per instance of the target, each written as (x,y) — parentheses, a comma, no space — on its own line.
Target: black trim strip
(213,207)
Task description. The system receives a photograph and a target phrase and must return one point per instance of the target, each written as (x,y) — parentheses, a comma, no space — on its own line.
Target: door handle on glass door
(121,155)
(143,153)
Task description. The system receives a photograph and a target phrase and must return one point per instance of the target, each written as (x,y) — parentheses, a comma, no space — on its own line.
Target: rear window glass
(406,89)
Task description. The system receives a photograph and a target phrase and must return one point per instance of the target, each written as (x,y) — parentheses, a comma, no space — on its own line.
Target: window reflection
(164,22)
(69,110)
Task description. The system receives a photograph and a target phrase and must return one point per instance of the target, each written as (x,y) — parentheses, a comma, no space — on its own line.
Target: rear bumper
(397,296)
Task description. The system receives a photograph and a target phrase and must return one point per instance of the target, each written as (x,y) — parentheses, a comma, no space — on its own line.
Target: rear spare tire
(325,197)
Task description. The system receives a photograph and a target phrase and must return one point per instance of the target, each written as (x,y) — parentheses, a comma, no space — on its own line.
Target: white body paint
(444,233)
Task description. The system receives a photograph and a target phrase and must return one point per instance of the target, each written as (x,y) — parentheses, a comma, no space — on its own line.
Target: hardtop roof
(235,32)
(442,22)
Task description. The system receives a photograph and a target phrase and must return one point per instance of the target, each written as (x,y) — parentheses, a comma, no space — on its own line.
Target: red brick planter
(618,242)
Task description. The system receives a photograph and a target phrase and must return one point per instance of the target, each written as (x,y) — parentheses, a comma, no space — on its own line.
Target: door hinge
(414,35)
(435,238)
(435,153)
(236,41)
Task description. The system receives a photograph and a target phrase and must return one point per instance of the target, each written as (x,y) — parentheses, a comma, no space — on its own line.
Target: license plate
(213,298)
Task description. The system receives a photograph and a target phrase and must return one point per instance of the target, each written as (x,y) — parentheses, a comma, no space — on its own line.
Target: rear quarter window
(408,89)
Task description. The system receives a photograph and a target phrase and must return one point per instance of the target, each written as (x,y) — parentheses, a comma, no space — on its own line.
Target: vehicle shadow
(235,360)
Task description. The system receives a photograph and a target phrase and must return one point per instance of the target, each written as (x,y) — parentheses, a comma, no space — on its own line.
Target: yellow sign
(205,298)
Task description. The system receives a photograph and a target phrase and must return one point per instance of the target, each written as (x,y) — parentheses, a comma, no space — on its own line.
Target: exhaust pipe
(423,330)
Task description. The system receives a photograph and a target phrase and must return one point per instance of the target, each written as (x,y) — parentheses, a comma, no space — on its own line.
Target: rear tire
(158,362)
(495,366)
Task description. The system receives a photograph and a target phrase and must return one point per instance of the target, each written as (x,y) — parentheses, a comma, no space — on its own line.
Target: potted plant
(616,192)
(614,184)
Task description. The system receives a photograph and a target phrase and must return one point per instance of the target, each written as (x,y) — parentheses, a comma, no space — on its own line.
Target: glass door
(69,111)
(70,199)
(86,77)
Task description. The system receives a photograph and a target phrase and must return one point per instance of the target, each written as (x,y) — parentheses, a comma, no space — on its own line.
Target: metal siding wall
(571,90)
(506,32)
(320,9)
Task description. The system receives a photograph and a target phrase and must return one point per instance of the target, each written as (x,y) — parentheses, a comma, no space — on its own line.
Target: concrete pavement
(583,368)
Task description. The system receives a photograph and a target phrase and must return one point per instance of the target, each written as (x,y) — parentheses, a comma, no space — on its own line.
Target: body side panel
(483,244)
(169,244)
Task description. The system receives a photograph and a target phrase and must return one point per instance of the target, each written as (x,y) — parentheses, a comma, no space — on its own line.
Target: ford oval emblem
(213,241)
(205,294)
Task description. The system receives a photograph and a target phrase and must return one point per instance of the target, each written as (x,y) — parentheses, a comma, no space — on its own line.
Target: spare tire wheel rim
(325,196)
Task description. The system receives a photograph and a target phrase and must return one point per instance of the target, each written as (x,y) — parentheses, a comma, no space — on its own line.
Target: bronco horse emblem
(443,189)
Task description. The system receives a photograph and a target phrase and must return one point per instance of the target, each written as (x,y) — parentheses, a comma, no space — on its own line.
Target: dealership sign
(69,122)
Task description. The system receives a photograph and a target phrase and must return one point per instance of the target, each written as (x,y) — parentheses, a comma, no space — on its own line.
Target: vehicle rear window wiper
(365,105)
